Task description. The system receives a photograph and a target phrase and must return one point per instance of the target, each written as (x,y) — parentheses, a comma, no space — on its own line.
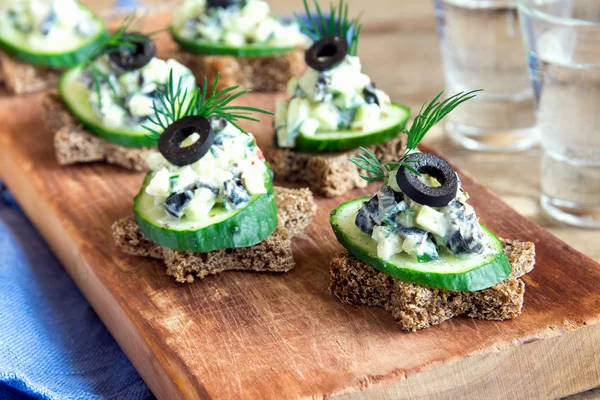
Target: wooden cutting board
(282,336)
(252,335)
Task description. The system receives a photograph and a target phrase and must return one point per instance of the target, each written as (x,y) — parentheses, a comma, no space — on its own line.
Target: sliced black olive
(327,53)
(138,53)
(468,236)
(364,219)
(177,202)
(218,123)
(399,196)
(222,3)
(370,94)
(432,165)
(235,193)
(48,23)
(169,143)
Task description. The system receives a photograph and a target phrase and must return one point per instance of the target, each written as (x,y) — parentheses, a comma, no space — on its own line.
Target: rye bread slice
(74,144)
(332,174)
(261,74)
(21,78)
(274,254)
(416,307)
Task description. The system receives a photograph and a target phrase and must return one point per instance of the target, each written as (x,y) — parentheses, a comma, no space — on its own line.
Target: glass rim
(525,7)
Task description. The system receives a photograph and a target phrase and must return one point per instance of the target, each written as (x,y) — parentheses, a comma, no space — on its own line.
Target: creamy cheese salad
(340,99)
(227,177)
(248,23)
(47,25)
(124,99)
(400,225)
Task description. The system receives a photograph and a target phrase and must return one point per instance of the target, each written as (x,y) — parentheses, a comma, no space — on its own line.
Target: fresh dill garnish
(176,103)
(122,38)
(429,115)
(338,24)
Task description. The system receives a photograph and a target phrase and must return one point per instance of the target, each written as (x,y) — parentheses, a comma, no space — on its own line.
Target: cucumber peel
(76,97)
(206,48)
(386,129)
(56,59)
(221,229)
(460,273)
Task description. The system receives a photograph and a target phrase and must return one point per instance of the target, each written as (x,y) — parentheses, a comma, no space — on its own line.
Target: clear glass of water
(482,48)
(563,43)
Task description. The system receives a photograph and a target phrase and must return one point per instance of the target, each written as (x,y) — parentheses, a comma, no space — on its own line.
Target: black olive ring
(169,143)
(432,165)
(137,57)
(327,53)
(222,3)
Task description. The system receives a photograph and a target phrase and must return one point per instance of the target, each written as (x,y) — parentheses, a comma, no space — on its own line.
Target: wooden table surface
(399,49)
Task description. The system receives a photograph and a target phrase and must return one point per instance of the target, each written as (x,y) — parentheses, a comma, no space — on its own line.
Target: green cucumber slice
(386,129)
(211,49)
(76,97)
(15,44)
(222,229)
(450,272)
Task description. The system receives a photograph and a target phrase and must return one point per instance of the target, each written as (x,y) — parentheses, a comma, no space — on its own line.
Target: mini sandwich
(418,249)
(239,39)
(40,39)
(334,110)
(102,104)
(208,203)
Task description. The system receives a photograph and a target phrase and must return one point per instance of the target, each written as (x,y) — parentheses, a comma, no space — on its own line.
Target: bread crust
(329,175)
(416,307)
(74,144)
(261,74)
(21,78)
(296,207)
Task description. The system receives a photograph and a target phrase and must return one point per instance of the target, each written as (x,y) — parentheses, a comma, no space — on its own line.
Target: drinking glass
(482,48)
(562,38)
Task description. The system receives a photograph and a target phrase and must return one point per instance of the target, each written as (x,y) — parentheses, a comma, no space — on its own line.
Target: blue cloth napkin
(52,344)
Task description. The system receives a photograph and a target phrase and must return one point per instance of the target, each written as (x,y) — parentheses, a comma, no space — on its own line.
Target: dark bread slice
(74,144)
(262,74)
(329,175)
(21,78)
(274,254)
(416,307)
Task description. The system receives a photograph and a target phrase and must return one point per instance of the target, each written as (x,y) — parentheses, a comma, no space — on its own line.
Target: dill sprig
(176,103)
(429,115)
(122,38)
(338,24)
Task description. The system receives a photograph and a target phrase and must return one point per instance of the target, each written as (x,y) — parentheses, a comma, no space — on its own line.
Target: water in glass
(482,48)
(565,68)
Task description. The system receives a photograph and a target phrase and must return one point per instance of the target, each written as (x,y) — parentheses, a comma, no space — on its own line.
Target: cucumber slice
(450,272)
(211,49)
(76,97)
(385,129)
(15,43)
(221,229)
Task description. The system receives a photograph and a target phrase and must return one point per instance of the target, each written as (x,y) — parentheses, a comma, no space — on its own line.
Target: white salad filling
(47,25)
(401,225)
(124,99)
(228,176)
(340,99)
(249,23)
